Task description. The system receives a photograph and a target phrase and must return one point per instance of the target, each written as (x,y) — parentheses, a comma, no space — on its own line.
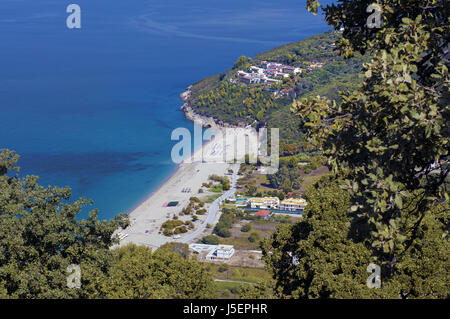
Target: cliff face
(204,121)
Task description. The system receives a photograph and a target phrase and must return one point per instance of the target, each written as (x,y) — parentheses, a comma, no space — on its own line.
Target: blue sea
(94,108)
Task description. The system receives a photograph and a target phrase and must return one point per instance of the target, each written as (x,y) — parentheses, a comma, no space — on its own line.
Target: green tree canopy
(321,256)
(140,273)
(387,146)
(41,236)
(390,138)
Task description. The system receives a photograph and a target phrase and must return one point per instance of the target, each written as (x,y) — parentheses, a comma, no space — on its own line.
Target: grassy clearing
(310,179)
(240,243)
(227,289)
(241,239)
(263,229)
(242,274)
(250,275)
(218,188)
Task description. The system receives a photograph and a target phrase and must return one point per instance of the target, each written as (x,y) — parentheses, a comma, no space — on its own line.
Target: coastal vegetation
(226,100)
(139,273)
(384,139)
(211,198)
(324,242)
(295,173)
(226,220)
(41,235)
(223,183)
(175,227)
(232,280)
(383,200)
(242,229)
(386,143)
(210,240)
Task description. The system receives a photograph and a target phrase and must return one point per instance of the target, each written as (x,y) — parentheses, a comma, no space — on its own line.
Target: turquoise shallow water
(94,108)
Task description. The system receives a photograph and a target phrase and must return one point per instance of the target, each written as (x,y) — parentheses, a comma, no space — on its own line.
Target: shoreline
(165,180)
(204,121)
(147,217)
(191,116)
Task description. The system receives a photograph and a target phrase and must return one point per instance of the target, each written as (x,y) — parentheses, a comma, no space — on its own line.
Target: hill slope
(225,98)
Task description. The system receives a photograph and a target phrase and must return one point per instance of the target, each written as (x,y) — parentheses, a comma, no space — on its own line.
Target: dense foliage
(41,236)
(391,136)
(287,177)
(238,104)
(139,273)
(322,257)
(226,220)
(387,145)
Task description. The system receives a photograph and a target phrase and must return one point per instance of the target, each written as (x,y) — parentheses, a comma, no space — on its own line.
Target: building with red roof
(263,213)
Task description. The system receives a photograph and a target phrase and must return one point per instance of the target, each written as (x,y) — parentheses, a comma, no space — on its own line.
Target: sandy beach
(147,218)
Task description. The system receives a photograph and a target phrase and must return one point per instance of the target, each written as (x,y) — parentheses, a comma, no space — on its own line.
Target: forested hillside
(226,99)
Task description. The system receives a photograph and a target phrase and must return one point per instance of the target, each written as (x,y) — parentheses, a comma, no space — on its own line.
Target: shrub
(199,205)
(211,240)
(180,230)
(246,228)
(235,290)
(171,224)
(223,268)
(194,199)
(222,232)
(225,222)
(218,188)
(253,237)
(167,232)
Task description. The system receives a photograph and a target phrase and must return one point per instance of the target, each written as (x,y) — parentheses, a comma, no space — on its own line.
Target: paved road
(214,209)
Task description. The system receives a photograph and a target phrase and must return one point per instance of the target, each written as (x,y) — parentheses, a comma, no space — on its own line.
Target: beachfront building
(214,252)
(292,204)
(263,202)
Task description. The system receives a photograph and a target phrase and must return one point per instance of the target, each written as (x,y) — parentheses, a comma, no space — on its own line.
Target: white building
(221,252)
(292,204)
(214,252)
(199,248)
(255,69)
